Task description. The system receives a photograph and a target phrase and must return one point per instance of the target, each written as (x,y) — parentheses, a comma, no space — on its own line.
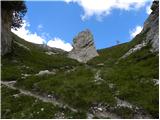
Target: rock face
(152,26)
(6,39)
(134,49)
(83,47)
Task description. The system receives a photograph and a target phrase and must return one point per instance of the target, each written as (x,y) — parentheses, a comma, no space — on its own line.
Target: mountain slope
(87,86)
(35,58)
(122,82)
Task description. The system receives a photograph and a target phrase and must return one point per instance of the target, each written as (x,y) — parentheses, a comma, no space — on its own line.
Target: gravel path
(10,84)
(99,114)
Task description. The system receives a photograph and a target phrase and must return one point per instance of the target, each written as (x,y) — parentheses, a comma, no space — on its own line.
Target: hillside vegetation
(90,87)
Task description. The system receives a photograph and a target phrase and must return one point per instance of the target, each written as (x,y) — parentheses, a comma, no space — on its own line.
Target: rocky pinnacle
(83,47)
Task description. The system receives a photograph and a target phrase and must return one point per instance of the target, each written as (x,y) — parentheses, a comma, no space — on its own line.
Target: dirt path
(10,84)
(97,76)
(99,114)
(120,103)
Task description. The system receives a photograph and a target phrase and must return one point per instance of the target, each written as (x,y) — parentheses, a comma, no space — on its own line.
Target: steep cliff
(150,33)
(152,25)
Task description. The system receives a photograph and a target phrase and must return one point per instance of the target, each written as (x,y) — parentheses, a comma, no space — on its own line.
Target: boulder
(83,47)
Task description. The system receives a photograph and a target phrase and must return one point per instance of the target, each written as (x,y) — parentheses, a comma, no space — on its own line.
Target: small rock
(50,53)
(42,109)
(36,101)
(100,109)
(26,75)
(100,64)
(111,85)
(16,95)
(156,81)
(49,96)
(43,72)
(90,116)
(123,103)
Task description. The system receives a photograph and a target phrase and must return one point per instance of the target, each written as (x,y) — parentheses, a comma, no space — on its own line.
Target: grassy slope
(110,55)
(133,79)
(131,76)
(16,63)
(21,61)
(26,107)
(76,88)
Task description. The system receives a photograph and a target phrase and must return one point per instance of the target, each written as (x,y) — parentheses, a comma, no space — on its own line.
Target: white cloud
(148,10)
(40,26)
(45,35)
(135,31)
(101,8)
(58,43)
(27,35)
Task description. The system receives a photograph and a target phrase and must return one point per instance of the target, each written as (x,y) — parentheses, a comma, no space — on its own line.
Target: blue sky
(56,23)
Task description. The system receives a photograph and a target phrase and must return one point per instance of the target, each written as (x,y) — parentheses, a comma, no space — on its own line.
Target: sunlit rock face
(152,26)
(83,47)
(151,29)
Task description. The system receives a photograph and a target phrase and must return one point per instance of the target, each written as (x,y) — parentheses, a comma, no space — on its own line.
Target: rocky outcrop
(152,26)
(6,39)
(83,47)
(151,31)
(134,49)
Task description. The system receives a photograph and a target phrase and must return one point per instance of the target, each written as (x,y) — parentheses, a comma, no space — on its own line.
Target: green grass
(35,59)
(133,75)
(109,56)
(30,108)
(124,112)
(77,88)
(133,78)
(10,73)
